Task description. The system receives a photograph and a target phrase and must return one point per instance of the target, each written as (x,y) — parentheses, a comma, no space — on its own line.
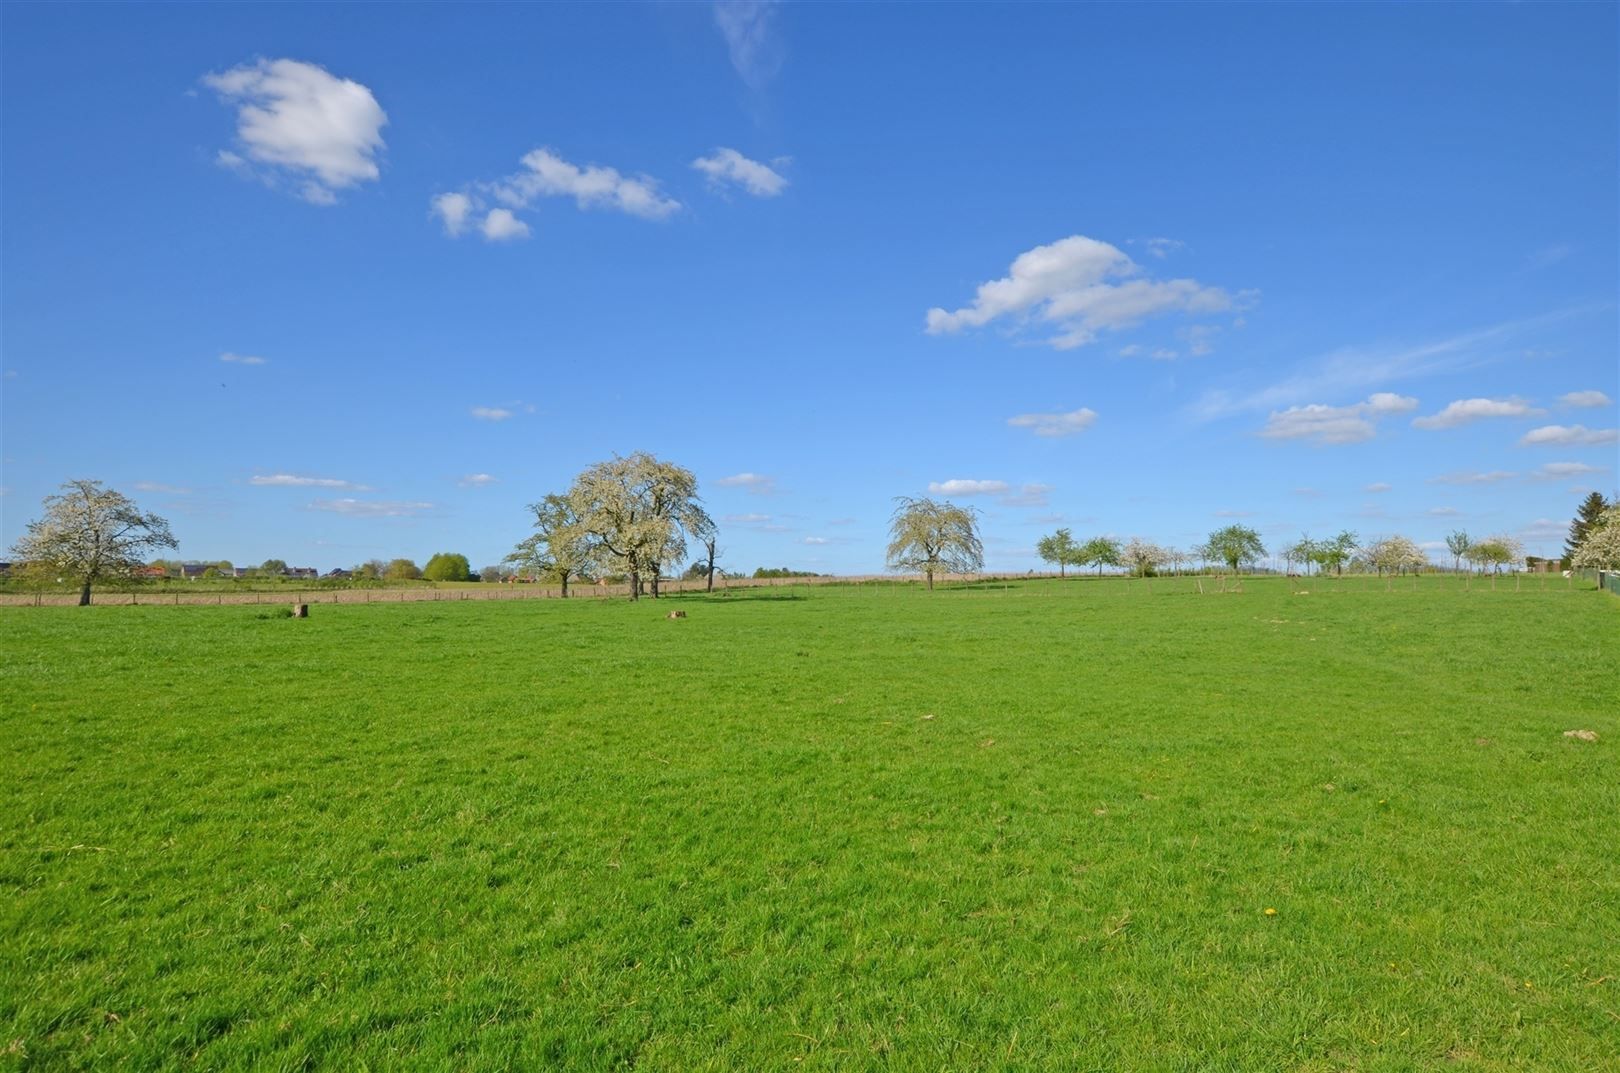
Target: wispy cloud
(1585,398)
(241,359)
(1027,495)
(1464,411)
(1377,486)
(1548,256)
(371,508)
(291,480)
(746,519)
(1079,287)
(757,483)
(1056,425)
(729,168)
(1491,477)
(1354,369)
(1324,425)
(491,413)
(1557,471)
(477,480)
(1569,436)
(749,27)
(294,120)
(161,489)
(959,486)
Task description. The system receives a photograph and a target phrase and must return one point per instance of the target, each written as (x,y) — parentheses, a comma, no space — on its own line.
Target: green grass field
(1027,827)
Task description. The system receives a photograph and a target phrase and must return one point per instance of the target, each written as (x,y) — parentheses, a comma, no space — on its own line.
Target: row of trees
(634,516)
(1235,545)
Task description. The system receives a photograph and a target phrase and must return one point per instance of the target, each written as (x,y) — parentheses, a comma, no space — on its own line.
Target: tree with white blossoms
(1143,557)
(935,538)
(92,534)
(632,515)
(1495,552)
(557,547)
(1600,545)
(1394,555)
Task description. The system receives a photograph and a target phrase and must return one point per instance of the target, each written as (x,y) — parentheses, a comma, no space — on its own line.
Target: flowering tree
(1600,544)
(935,538)
(1143,557)
(92,534)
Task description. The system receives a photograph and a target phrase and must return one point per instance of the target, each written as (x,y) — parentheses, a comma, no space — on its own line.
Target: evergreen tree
(1586,516)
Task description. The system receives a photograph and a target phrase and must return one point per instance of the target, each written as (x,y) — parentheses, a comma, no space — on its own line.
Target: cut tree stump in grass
(676,614)
(300,611)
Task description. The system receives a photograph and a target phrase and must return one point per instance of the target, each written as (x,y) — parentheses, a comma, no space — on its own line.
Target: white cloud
(1585,398)
(1163,247)
(1200,338)
(1080,286)
(1066,424)
(500,226)
(477,480)
(1354,369)
(757,483)
(748,27)
(297,119)
(164,489)
(746,519)
(1378,486)
(1543,529)
(1028,495)
(815,540)
(592,187)
(1444,512)
(453,209)
(1556,471)
(1335,424)
(490,413)
(545,174)
(361,508)
(1463,411)
(729,166)
(290,480)
(1490,477)
(961,487)
(1569,436)
(241,359)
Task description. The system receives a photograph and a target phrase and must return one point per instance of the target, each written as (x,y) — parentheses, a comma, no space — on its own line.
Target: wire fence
(1190,581)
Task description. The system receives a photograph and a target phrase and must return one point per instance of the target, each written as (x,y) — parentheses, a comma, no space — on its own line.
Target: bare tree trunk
(565,584)
(927,573)
(711,546)
(84,594)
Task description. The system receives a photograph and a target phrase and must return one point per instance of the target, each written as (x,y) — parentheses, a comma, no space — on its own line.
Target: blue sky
(1133,270)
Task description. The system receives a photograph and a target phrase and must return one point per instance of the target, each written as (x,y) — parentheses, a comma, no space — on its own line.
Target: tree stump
(676,614)
(300,611)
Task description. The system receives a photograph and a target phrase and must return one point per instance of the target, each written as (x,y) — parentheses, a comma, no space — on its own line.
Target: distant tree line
(634,517)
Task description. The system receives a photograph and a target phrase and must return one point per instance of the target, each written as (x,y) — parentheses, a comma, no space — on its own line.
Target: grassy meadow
(1093,825)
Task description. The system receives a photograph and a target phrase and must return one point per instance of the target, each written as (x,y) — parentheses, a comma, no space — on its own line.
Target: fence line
(1604,579)
(493,591)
